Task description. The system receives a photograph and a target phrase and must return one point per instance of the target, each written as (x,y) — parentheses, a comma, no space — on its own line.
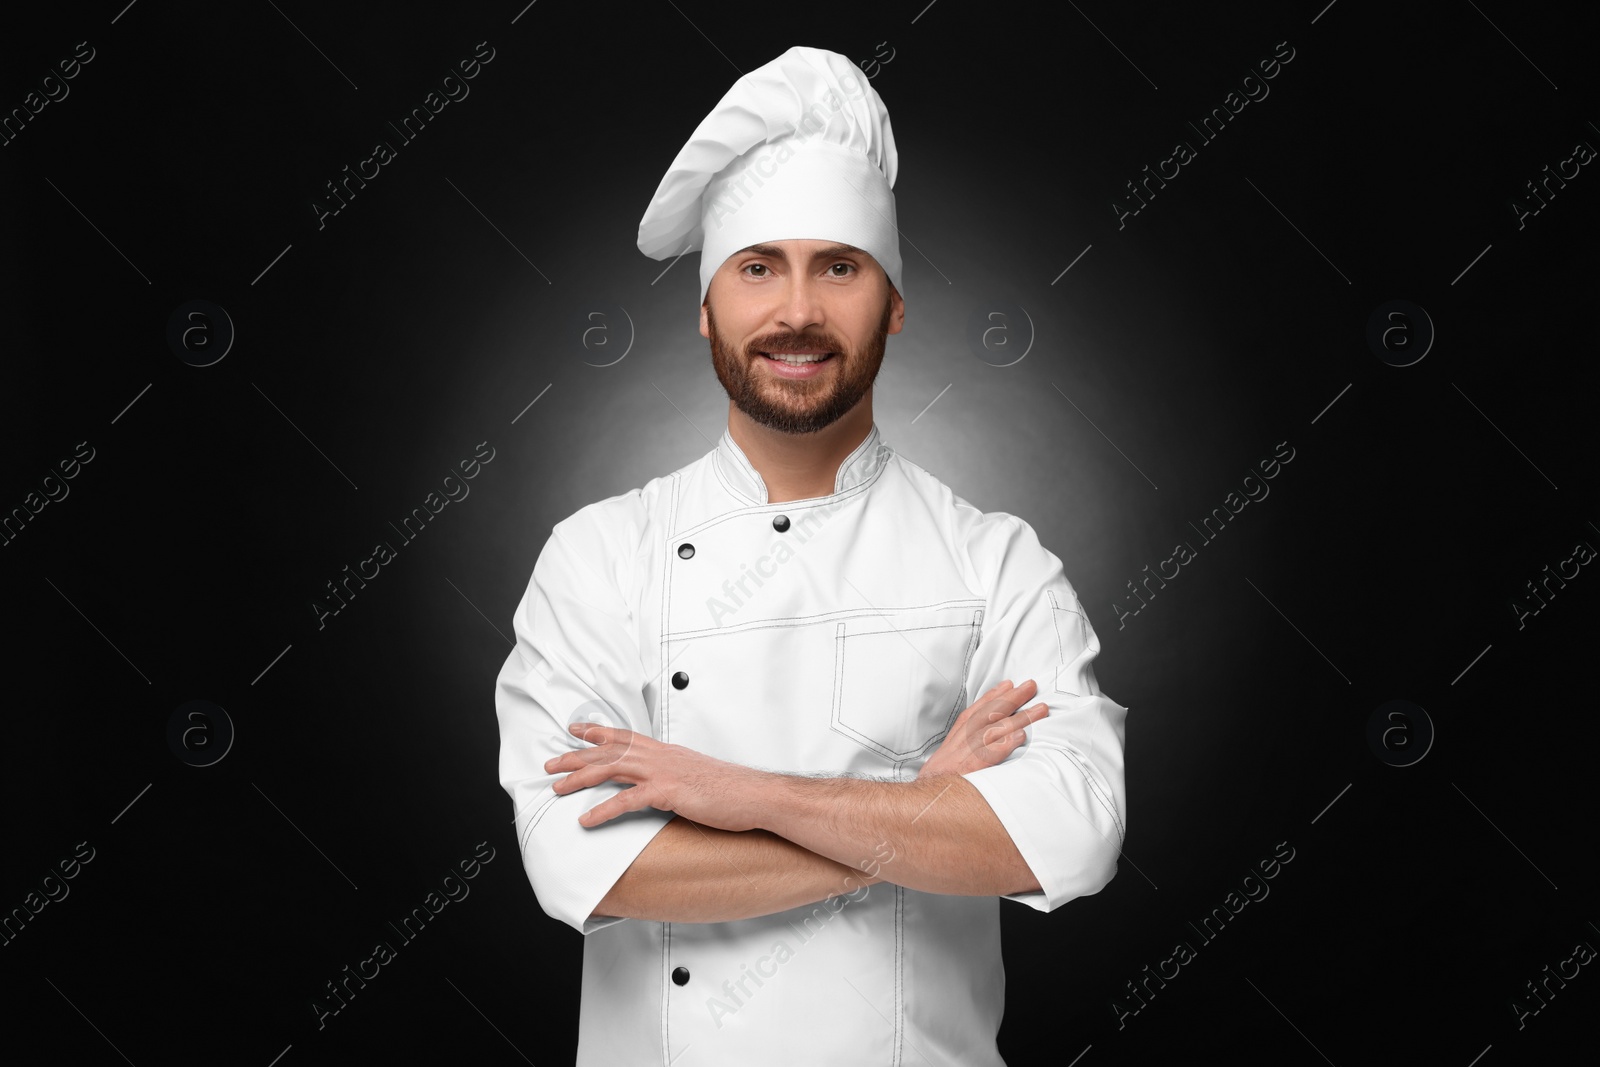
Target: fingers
(998,735)
(1010,730)
(585,757)
(585,777)
(608,745)
(577,761)
(1007,702)
(608,809)
(999,690)
(1033,714)
(993,691)
(1004,687)
(1014,696)
(596,734)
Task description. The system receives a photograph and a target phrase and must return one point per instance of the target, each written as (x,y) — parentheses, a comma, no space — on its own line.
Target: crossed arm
(748,842)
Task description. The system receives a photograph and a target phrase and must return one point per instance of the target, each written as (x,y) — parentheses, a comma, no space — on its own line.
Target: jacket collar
(859,467)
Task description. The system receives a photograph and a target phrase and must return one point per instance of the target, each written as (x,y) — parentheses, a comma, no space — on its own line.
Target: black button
(781,523)
(680,975)
(685,550)
(680,681)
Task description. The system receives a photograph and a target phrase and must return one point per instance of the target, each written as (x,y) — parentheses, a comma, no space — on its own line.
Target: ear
(897,310)
(705,326)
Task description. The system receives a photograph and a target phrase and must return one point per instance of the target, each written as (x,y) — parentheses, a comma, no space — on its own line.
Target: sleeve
(1060,796)
(576,660)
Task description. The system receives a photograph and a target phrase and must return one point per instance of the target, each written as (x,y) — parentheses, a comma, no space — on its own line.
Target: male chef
(736,726)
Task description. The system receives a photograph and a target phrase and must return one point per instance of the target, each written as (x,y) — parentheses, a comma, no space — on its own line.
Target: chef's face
(810,298)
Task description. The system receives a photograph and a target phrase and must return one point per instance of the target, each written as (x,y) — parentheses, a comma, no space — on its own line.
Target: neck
(800,466)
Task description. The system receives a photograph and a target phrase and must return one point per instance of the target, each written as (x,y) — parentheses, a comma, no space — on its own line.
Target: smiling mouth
(798,359)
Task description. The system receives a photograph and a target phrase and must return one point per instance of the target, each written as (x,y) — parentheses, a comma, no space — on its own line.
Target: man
(733,727)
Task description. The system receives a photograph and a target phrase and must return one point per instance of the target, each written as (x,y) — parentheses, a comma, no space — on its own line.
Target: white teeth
(788,357)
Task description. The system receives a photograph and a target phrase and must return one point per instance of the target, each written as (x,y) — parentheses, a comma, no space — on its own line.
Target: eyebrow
(831,252)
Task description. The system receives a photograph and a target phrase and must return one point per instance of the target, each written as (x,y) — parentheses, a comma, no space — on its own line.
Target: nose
(801,306)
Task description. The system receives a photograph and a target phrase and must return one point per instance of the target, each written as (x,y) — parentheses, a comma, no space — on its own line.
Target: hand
(987,732)
(665,777)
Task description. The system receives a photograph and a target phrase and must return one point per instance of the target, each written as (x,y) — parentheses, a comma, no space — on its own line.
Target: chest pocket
(899,676)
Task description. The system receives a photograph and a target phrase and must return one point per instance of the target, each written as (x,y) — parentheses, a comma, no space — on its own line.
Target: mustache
(796,342)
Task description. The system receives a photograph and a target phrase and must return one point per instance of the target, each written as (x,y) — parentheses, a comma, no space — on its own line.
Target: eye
(847,266)
(759,267)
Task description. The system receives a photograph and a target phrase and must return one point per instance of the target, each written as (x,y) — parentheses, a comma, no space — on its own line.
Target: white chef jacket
(837,635)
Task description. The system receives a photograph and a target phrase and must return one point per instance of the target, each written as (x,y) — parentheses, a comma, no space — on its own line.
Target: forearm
(697,874)
(941,834)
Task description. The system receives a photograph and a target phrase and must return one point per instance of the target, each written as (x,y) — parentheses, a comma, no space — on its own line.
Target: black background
(1177,352)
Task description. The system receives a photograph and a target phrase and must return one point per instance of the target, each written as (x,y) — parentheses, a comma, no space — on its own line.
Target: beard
(797,406)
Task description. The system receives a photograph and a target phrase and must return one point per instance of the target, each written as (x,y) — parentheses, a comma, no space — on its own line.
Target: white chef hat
(798,149)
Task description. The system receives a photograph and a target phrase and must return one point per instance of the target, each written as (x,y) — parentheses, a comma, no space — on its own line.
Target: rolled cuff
(572,867)
(1062,816)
